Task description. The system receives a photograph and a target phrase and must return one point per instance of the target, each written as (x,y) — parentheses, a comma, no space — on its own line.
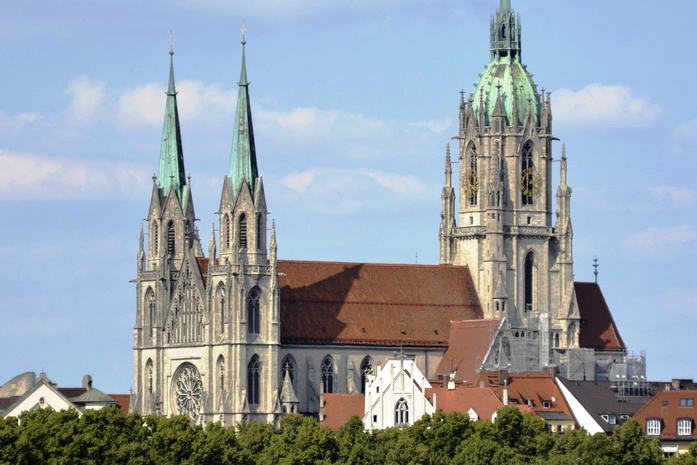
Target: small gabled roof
(469,343)
(463,398)
(373,304)
(598,329)
(42,383)
(670,414)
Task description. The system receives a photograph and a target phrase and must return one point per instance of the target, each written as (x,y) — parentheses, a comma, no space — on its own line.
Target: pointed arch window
(253,312)
(220,303)
(243,231)
(571,335)
(221,379)
(253,381)
(150,302)
(155,238)
(529,284)
(471,176)
(148,374)
(401,413)
(367,369)
(259,231)
(328,374)
(288,366)
(170,238)
(527,187)
(226,231)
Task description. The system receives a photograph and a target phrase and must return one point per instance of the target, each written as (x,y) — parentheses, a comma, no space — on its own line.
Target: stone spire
(211,245)
(505,32)
(171,171)
(141,251)
(448,167)
(243,159)
(274,247)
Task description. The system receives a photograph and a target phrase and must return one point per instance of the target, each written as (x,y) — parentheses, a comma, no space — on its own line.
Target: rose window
(188,391)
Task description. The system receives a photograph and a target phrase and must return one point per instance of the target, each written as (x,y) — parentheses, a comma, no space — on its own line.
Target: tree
(634,448)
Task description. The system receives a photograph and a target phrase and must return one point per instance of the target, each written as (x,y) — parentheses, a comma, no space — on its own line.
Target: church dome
(506,75)
(510,78)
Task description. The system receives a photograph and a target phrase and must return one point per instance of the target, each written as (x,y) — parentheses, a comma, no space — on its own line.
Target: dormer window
(684,427)
(546,404)
(653,427)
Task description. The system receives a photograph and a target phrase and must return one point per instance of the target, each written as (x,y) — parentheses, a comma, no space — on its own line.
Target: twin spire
(243,160)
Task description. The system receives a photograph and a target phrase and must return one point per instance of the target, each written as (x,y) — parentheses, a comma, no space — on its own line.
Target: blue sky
(354,102)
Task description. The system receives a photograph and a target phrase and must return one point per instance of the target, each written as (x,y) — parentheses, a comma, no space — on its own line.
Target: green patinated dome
(506,71)
(510,75)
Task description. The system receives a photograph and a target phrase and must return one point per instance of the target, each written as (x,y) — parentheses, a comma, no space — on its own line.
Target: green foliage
(108,436)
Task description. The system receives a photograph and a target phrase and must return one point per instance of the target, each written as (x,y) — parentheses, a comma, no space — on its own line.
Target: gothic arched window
(571,335)
(328,374)
(150,302)
(472,176)
(556,340)
(220,303)
(243,231)
(366,370)
(288,366)
(226,232)
(259,231)
(529,287)
(170,238)
(253,312)
(221,378)
(154,238)
(401,413)
(253,381)
(148,374)
(527,188)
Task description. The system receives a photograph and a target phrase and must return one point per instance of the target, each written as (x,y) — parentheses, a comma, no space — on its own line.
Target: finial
(563,151)
(596,265)
(171,43)
(188,178)
(244,31)
(154,178)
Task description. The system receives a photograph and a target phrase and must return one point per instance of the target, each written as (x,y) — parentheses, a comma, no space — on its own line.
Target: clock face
(471,183)
(530,182)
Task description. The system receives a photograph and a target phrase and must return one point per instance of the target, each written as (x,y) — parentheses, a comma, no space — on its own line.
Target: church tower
(207,329)
(521,261)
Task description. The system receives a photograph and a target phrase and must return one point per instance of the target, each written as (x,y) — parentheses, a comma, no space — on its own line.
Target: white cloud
(673,197)
(31,176)
(659,242)
(348,191)
(348,134)
(685,137)
(598,104)
(15,124)
(87,95)
(145,105)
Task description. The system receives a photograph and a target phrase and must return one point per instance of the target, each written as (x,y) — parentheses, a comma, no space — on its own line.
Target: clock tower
(518,250)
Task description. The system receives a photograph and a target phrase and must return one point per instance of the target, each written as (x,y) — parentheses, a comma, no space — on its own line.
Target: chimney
(87,382)
(505,393)
(551,370)
(503,376)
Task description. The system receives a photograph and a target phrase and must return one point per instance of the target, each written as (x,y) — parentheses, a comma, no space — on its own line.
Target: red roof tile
(470,341)
(358,303)
(670,414)
(338,408)
(598,329)
(461,399)
(124,401)
(203,268)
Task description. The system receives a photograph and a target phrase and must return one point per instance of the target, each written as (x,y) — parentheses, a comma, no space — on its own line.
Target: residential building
(670,416)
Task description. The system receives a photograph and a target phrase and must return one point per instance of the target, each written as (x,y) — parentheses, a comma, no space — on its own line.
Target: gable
(42,395)
(598,329)
(469,344)
(357,303)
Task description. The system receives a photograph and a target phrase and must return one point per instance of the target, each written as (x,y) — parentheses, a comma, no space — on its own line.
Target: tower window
(243,231)
(527,186)
(253,312)
(226,228)
(259,231)
(253,381)
(328,374)
(571,335)
(529,262)
(150,299)
(170,238)
(155,239)
(220,300)
(472,176)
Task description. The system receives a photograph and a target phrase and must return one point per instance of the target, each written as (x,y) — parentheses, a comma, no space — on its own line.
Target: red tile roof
(124,401)
(598,329)
(670,414)
(524,387)
(203,268)
(7,401)
(71,392)
(470,341)
(461,399)
(338,408)
(358,303)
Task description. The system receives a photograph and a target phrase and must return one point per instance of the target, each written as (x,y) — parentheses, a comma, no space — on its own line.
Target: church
(234,333)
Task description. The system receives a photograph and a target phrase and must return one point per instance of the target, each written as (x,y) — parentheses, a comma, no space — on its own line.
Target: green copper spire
(171,171)
(243,159)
